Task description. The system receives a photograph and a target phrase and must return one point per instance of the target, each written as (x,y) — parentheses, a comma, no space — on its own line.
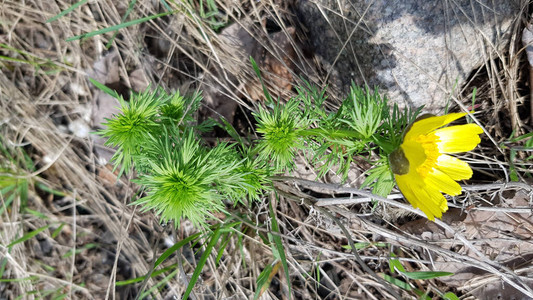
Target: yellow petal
(453,167)
(414,152)
(434,203)
(442,182)
(459,138)
(429,200)
(427,125)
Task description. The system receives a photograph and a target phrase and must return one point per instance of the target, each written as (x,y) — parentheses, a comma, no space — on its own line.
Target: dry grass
(44,90)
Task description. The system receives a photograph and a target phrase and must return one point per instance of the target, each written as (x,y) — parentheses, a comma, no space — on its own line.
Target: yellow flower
(422,167)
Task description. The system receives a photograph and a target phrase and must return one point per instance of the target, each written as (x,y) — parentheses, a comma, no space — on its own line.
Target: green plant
(18,182)
(183,176)
(396,267)
(363,126)
(216,238)
(209,13)
(15,164)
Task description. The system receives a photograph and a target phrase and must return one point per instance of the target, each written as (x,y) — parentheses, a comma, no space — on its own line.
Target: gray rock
(414,50)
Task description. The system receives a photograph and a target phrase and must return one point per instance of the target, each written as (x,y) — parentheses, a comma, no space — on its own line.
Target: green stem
(385,145)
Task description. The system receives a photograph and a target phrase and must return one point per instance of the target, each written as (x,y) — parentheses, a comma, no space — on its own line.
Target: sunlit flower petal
(429,200)
(423,170)
(443,182)
(460,138)
(453,167)
(427,125)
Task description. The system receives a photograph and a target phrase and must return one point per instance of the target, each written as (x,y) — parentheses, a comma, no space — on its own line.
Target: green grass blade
(37,214)
(9,200)
(30,278)
(3,263)
(66,11)
(50,190)
(425,274)
(128,11)
(279,247)
(142,278)
(158,284)
(174,248)
(263,280)
(450,296)
(58,230)
(23,193)
(225,241)
(6,186)
(397,282)
(365,245)
(240,244)
(11,59)
(474,92)
(60,296)
(521,137)
(33,60)
(104,88)
(405,286)
(117,27)
(46,267)
(196,274)
(28,235)
(258,72)
(395,265)
(421,294)
(79,250)
(165,4)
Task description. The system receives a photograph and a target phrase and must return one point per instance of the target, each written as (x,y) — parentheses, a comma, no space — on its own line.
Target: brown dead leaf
(496,224)
(104,106)
(277,73)
(138,80)
(107,176)
(106,69)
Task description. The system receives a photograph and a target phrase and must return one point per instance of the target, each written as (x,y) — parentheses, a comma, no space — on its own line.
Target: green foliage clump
(135,122)
(281,129)
(184,177)
(157,134)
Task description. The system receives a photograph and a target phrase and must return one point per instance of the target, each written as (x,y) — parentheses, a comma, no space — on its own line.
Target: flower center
(431,150)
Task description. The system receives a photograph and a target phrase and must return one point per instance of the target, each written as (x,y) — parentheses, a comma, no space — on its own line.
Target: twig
(497,186)
(350,200)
